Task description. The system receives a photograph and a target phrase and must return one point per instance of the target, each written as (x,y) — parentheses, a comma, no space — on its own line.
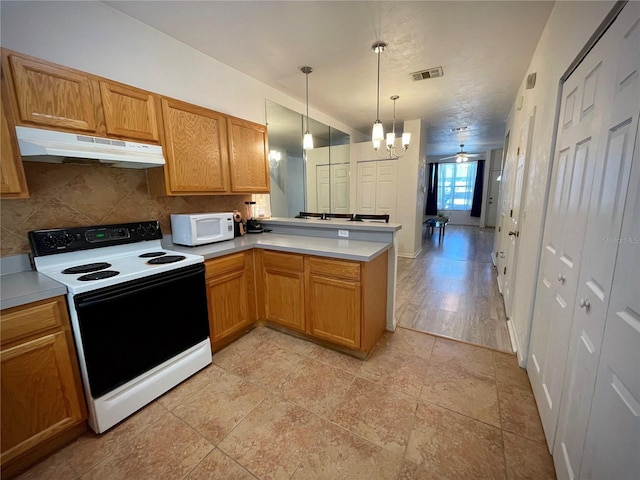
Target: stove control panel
(71,239)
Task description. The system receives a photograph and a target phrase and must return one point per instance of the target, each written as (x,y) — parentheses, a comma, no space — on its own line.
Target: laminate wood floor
(450,289)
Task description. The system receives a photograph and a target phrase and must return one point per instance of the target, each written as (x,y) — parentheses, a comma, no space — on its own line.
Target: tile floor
(272,406)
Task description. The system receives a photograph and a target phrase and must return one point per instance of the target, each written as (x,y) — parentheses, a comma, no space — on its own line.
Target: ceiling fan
(461,156)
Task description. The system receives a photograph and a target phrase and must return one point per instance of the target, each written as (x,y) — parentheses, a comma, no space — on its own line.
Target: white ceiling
(484,48)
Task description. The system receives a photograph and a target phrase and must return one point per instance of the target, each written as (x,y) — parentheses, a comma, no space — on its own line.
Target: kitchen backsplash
(70,195)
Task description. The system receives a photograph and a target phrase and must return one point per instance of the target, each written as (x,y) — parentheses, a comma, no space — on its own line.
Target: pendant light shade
(377,133)
(307,139)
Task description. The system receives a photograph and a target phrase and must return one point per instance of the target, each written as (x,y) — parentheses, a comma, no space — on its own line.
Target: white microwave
(201,228)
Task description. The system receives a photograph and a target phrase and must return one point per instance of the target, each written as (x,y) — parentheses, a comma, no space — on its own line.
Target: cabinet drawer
(335,268)
(20,322)
(227,263)
(283,261)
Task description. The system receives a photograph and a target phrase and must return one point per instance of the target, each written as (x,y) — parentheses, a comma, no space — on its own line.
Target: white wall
(568,29)
(94,38)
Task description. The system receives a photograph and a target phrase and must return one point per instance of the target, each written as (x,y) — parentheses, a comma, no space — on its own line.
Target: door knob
(561,278)
(585,303)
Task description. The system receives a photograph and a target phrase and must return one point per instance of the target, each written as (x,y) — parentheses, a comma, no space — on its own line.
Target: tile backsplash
(64,195)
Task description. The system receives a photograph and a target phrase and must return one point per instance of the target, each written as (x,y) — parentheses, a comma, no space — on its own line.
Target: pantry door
(597,290)
(585,101)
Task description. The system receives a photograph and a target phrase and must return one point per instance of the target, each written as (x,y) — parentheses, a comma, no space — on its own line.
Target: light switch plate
(343,233)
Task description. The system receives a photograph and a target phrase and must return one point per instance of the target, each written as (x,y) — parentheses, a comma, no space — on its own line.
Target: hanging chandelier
(377,133)
(391,138)
(307,139)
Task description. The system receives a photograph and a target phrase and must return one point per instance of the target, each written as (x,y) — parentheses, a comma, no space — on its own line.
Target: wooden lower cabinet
(334,297)
(231,296)
(43,405)
(341,302)
(281,288)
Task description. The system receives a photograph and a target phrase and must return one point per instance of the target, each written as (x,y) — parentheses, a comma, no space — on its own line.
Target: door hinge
(504,272)
(499,229)
(511,213)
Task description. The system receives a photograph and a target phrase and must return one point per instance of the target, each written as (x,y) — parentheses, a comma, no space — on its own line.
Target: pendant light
(377,133)
(391,137)
(307,139)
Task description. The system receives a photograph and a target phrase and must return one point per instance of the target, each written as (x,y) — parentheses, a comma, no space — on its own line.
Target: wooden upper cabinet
(195,149)
(248,161)
(12,179)
(52,96)
(129,112)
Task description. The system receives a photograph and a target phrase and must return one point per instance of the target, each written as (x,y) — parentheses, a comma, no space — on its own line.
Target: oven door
(128,329)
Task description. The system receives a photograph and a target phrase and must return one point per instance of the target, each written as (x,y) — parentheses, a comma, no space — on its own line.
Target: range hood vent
(428,73)
(49,146)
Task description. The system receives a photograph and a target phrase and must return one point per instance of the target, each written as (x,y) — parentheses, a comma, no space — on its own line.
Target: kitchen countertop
(333,223)
(358,250)
(26,287)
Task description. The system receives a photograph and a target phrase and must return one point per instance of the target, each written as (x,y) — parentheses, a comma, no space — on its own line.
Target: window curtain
(432,192)
(476,205)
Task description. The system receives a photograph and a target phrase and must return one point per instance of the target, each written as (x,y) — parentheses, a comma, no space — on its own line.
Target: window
(455,185)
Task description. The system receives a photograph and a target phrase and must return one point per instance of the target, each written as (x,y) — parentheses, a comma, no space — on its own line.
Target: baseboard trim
(409,255)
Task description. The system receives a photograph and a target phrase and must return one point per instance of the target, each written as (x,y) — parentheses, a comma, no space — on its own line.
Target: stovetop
(89,258)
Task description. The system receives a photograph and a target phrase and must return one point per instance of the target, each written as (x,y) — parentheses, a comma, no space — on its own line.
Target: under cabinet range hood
(40,145)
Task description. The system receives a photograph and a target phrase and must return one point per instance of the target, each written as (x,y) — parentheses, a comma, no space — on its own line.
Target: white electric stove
(138,312)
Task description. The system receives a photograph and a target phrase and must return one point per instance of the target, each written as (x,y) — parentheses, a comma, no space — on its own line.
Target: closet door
(613,438)
(586,102)
(604,241)
(366,187)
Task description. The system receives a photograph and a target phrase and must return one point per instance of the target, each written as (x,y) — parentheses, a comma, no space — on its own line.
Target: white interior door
(612,448)
(386,188)
(492,201)
(615,156)
(581,140)
(340,188)
(513,221)
(323,189)
(366,188)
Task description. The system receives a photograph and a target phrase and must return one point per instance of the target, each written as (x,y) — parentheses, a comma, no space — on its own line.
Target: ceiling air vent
(428,73)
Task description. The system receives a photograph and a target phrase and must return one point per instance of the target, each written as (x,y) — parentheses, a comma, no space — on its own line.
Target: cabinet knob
(585,303)
(561,278)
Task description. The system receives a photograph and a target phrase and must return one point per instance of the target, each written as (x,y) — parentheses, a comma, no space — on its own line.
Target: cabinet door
(129,112)
(248,156)
(53,96)
(227,304)
(12,179)
(195,149)
(334,301)
(283,289)
(230,293)
(39,395)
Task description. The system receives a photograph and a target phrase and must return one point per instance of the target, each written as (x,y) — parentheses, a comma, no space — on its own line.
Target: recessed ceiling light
(459,129)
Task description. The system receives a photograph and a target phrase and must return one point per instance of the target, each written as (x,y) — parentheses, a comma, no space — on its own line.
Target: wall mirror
(315,180)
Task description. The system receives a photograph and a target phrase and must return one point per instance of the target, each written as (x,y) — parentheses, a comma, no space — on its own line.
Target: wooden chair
(346,216)
(359,217)
(310,215)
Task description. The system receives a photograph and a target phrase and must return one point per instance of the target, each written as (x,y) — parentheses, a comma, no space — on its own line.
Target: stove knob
(122,232)
(152,229)
(49,241)
(67,239)
(61,241)
(141,230)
